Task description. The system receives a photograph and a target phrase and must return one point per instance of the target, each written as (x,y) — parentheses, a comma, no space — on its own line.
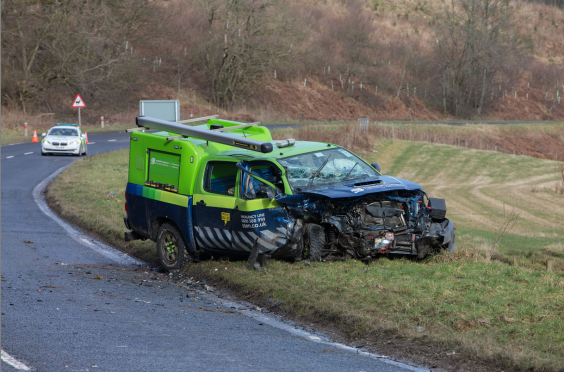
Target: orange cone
(86,135)
(34,139)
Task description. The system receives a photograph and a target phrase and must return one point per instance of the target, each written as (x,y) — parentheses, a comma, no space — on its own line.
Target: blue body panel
(386,183)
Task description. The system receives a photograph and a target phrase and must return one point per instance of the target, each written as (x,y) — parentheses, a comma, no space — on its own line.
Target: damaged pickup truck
(226,188)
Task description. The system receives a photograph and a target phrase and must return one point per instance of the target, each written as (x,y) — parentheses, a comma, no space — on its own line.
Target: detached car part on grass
(225,188)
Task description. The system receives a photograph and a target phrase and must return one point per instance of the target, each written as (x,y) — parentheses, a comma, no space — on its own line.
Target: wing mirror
(43,134)
(376,166)
(269,191)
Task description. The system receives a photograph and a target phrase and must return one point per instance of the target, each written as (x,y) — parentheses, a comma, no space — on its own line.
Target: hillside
(331,60)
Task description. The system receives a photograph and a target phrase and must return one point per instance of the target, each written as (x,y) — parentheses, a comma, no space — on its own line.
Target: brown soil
(317,101)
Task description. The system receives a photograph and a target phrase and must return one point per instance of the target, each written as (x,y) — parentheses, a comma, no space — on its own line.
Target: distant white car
(64,139)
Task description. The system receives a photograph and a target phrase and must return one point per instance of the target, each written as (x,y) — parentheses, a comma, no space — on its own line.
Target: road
(71,305)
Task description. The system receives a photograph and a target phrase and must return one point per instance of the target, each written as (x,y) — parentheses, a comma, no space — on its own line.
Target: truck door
(257,219)
(213,203)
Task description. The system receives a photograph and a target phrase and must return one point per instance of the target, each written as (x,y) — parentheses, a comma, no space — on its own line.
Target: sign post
(78,103)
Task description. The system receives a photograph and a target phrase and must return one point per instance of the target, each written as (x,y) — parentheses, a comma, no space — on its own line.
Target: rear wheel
(171,247)
(314,241)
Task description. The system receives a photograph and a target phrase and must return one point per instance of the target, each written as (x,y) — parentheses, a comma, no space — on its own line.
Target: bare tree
(243,38)
(476,43)
(84,46)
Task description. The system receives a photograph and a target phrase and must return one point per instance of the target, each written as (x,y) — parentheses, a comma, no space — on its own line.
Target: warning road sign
(78,102)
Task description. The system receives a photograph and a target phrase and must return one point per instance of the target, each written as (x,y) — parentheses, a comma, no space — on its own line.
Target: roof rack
(63,124)
(144,122)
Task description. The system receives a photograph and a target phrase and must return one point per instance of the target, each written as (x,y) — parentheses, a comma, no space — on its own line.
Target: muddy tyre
(314,242)
(171,247)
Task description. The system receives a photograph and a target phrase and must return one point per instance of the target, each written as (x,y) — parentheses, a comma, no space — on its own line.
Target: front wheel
(171,247)
(314,241)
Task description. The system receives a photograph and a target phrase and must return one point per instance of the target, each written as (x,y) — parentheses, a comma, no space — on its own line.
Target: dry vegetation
(533,140)
(394,50)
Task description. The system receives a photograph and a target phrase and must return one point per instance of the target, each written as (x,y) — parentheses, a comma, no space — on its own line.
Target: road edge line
(87,241)
(7,358)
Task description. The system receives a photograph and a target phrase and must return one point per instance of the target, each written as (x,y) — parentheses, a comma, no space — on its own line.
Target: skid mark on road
(101,248)
(7,358)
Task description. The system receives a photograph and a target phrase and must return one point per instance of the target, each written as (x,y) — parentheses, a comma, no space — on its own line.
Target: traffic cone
(86,135)
(34,139)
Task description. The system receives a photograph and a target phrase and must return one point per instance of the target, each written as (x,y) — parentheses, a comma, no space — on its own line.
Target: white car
(64,139)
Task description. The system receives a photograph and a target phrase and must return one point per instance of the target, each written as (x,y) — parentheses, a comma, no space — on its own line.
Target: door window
(220,178)
(253,188)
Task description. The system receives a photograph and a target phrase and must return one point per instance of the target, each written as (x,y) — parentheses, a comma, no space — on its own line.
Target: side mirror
(376,166)
(43,134)
(269,191)
(83,135)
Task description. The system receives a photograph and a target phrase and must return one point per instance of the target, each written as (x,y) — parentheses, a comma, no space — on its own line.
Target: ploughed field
(504,204)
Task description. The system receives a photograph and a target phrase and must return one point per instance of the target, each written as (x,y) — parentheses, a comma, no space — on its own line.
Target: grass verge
(508,314)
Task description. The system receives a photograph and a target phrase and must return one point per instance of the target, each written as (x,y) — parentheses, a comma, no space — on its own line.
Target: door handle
(201,202)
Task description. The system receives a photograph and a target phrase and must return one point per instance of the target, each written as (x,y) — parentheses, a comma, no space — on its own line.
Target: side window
(220,178)
(253,188)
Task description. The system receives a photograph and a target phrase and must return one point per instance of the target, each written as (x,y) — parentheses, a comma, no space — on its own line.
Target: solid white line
(27,153)
(112,140)
(7,358)
(9,157)
(91,143)
(99,247)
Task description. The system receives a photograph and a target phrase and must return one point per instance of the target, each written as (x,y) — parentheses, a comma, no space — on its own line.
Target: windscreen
(70,132)
(319,168)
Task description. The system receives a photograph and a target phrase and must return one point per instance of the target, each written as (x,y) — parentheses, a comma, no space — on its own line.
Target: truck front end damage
(399,219)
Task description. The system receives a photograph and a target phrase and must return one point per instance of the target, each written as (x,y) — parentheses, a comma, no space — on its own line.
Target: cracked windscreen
(321,168)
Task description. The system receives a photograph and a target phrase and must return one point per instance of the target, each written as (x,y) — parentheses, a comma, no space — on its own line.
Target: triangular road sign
(78,102)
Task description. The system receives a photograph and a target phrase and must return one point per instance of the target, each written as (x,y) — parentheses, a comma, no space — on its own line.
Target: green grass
(482,188)
(492,311)
(497,312)
(91,195)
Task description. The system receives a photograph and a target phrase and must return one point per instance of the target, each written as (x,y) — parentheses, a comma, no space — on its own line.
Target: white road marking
(91,143)
(112,140)
(101,248)
(7,358)
(27,153)
(9,157)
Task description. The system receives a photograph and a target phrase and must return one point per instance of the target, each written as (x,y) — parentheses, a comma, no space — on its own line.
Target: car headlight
(47,142)
(74,143)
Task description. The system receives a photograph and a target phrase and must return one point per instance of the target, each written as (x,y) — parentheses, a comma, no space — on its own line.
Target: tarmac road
(71,305)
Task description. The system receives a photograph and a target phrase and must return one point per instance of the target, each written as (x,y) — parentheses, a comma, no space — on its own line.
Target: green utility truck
(226,188)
